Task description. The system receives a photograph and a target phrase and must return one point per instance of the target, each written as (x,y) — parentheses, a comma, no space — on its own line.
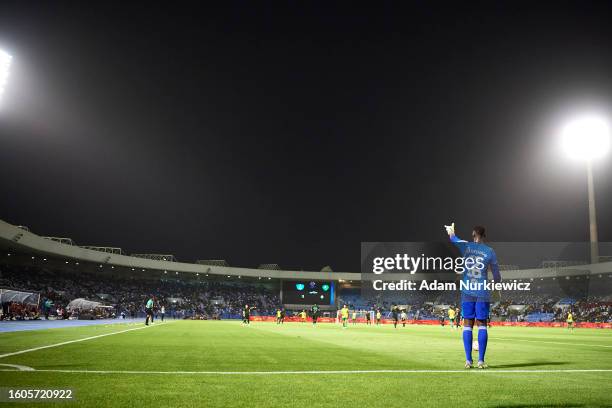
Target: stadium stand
(210,289)
(182,298)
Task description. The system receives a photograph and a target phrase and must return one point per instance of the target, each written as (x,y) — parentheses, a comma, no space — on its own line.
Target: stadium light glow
(586,138)
(5,65)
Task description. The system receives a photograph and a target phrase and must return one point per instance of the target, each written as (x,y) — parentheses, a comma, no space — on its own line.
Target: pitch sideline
(318,372)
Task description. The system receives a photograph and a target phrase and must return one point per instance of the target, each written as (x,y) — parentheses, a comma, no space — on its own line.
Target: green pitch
(203,364)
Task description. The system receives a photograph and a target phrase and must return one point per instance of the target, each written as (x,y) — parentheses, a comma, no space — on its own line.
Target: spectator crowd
(192,297)
(181,298)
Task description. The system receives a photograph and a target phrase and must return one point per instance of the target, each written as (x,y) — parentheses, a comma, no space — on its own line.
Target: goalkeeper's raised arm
(459,243)
(450,230)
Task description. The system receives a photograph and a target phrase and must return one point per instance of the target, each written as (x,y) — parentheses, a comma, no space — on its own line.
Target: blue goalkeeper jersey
(477,259)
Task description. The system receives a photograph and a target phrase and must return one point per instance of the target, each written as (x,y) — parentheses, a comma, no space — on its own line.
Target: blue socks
(467,342)
(483,337)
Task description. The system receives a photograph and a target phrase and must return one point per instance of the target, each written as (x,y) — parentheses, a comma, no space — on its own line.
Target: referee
(246,314)
(149,311)
(395,313)
(314,312)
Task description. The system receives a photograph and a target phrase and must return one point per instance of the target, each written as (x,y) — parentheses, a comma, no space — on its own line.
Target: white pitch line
(552,342)
(18,367)
(72,341)
(491,370)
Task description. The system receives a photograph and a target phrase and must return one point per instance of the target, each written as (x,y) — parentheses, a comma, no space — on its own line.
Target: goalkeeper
(475,303)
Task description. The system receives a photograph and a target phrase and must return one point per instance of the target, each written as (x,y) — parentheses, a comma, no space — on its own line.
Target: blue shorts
(475,308)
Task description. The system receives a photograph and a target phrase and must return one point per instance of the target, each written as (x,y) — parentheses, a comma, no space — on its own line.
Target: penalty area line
(15,353)
(318,372)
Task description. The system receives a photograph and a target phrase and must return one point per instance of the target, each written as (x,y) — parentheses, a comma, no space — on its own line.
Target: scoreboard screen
(309,292)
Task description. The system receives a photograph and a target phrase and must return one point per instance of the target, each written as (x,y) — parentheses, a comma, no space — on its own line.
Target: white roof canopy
(81,303)
(9,295)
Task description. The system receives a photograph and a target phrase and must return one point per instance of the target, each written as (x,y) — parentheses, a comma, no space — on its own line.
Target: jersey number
(474,273)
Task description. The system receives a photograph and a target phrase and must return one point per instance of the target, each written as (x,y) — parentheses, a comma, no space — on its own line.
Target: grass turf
(226,346)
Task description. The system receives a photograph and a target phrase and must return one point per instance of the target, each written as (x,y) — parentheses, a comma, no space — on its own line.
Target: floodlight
(5,65)
(586,138)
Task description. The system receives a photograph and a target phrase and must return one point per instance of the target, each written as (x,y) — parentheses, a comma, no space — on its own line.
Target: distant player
(378,316)
(478,259)
(403,317)
(314,313)
(368,317)
(303,315)
(570,321)
(395,314)
(162,312)
(149,311)
(246,314)
(344,314)
(282,316)
(354,318)
(451,317)
(278,316)
(458,317)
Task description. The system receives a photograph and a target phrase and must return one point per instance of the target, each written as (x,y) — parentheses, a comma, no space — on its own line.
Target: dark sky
(273,132)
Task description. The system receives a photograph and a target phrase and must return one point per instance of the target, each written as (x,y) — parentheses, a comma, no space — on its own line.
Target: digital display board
(309,292)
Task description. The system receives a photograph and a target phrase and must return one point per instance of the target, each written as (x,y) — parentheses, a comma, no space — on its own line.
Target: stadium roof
(15,238)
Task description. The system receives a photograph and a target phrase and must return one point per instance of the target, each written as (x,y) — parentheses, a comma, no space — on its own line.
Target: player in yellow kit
(303,316)
(344,313)
(278,316)
(451,317)
(570,321)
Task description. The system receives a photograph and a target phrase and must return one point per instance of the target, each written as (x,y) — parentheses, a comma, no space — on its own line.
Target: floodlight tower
(5,65)
(587,138)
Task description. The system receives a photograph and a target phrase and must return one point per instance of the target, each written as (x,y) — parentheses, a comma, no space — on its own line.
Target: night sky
(289,132)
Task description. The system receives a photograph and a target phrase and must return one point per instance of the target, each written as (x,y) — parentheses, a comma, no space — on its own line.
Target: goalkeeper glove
(450,229)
